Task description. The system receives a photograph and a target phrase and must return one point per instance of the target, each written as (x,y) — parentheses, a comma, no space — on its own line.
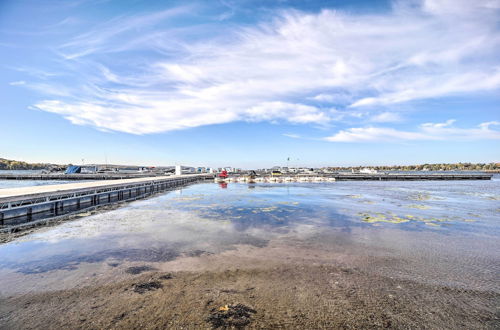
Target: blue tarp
(73,169)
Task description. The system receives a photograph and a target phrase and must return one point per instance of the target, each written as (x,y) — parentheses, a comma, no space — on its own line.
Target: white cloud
(104,38)
(294,113)
(292,135)
(436,86)
(17,83)
(268,72)
(428,131)
(386,117)
(429,126)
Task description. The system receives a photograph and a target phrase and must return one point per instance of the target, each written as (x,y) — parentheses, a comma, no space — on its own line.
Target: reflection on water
(444,232)
(4,184)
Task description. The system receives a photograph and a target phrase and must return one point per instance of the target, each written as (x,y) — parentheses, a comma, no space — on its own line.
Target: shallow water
(444,233)
(4,184)
(27,183)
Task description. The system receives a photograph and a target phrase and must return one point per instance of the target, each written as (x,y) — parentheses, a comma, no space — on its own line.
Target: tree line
(428,167)
(7,164)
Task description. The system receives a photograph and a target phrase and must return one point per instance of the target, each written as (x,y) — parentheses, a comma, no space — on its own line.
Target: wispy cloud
(292,135)
(17,83)
(108,37)
(428,131)
(386,117)
(285,69)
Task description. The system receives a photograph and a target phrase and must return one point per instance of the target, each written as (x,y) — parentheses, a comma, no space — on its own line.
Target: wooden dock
(19,205)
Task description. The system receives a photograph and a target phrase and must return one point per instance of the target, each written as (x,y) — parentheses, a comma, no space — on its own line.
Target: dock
(360,177)
(26,204)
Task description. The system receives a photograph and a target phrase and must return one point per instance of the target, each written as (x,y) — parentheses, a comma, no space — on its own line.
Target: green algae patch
(420,197)
(380,217)
(289,203)
(269,209)
(424,197)
(419,206)
(354,196)
(389,217)
(265,209)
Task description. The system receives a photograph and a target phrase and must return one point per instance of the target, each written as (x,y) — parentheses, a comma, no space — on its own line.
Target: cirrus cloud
(428,131)
(141,74)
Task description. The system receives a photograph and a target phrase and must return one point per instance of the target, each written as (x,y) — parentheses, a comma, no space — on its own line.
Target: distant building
(367,170)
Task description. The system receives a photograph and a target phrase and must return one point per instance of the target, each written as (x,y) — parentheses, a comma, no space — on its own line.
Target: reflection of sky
(204,218)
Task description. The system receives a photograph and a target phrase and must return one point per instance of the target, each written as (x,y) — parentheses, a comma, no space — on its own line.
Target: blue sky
(250,83)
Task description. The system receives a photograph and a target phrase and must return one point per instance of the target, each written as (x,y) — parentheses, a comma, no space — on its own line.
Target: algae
(390,217)
(354,196)
(419,206)
(420,197)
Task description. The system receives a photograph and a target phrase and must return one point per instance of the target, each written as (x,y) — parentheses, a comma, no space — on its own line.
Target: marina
(264,177)
(27,204)
(359,177)
(250,164)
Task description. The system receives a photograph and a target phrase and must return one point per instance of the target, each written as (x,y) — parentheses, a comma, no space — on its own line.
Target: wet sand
(290,293)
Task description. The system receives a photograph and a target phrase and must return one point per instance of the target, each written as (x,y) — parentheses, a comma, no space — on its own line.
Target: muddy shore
(294,294)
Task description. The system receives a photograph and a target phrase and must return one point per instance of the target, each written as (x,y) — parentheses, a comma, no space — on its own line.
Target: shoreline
(289,294)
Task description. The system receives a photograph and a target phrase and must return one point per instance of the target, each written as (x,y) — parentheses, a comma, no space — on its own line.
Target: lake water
(26,183)
(455,223)
(443,233)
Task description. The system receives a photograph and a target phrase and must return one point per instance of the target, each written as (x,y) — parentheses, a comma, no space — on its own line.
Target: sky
(250,83)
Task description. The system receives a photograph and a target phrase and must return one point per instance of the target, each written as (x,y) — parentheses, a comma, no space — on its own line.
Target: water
(443,233)
(26,183)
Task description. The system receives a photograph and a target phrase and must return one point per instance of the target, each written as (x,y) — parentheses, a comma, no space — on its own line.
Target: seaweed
(147,286)
(236,316)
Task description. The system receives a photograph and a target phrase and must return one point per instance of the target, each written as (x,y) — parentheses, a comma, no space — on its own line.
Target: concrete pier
(19,205)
